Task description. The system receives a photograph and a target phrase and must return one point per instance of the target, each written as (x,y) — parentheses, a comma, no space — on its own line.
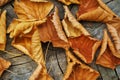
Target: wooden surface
(22,66)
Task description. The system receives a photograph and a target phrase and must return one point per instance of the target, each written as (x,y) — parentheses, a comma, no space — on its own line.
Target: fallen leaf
(84,47)
(94,10)
(4,64)
(3,2)
(2,30)
(52,31)
(68,2)
(39,0)
(71,26)
(32,10)
(107,56)
(114,29)
(26,39)
(76,69)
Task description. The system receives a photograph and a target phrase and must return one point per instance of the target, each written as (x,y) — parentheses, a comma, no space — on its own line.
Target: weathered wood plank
(52,65)
(118,71)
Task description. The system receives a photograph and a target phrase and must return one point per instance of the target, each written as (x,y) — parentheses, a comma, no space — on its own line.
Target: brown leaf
(68,2)
(107,56)
(3,2)
(94,10)
(78,71)
(40,74)
(32,10)
(2,30)
(71,26)
(3,65)
(85,47)
(52,31)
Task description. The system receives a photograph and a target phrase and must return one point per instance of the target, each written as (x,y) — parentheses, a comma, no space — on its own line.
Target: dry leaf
(107,56)
(76,69)
(52,31)
(32,10)
(39,0)
(71,26)
(68,2)
(25,37)
(84,47)
(40,73)
(2,30)
(3,65)
(114,28)
(94,10)
(3,2)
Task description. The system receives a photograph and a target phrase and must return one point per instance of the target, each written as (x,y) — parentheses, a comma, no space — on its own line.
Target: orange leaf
(108,56)
(78,71)
(3,65)
(32,10)
(85,47)
(94,10)
(2,30)
(3,2)
(52,31)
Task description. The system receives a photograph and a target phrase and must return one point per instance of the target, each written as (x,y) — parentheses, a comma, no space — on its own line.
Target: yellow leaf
(2,30)
(71,26)
(32,10)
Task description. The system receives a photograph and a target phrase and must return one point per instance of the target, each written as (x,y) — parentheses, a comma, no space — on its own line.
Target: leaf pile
(37,23)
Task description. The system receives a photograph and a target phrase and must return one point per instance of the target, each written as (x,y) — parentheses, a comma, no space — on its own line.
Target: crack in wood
(59,64)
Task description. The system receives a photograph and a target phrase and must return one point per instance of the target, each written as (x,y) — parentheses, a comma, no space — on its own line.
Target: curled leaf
(52,31)
(85,47)
(3,2)
(2,30)
(108,56)
(94,10)
(114,29)
(68,2)
(3,65)
(71,26)
(32,10)
(76,69)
